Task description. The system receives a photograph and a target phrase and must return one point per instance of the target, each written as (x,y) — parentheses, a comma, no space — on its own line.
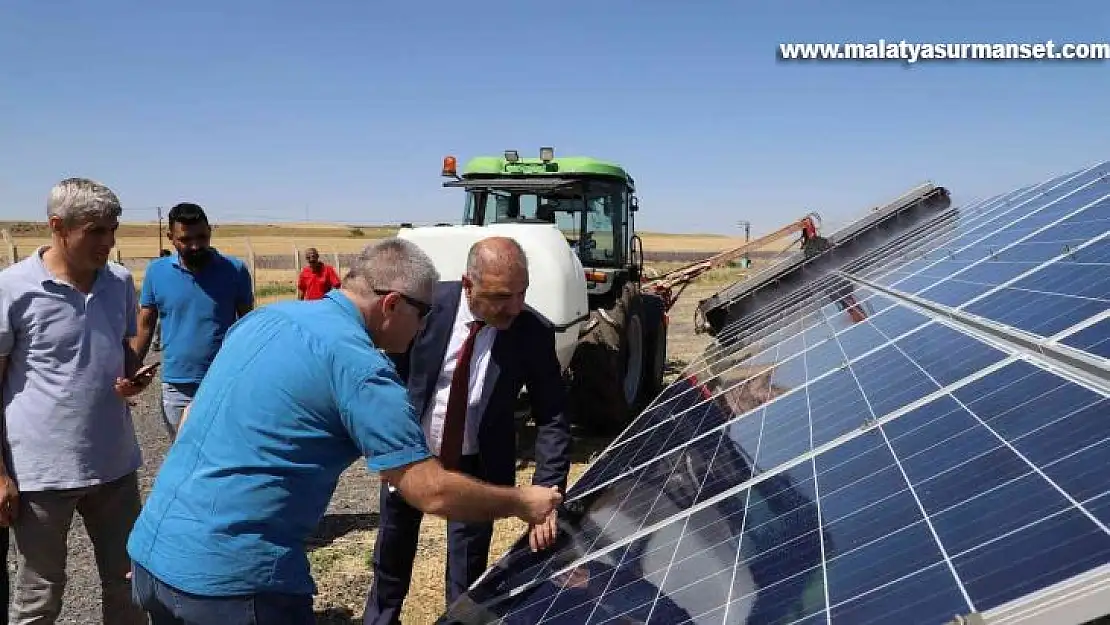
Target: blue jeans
(4,581)
(168,606)
(175,397)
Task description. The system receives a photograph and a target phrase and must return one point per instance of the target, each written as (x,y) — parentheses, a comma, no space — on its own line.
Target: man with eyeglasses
(480,347)
(299,390)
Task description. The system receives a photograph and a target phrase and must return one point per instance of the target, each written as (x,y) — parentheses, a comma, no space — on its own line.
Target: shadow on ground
(337,616)
(334,526)
(674,367)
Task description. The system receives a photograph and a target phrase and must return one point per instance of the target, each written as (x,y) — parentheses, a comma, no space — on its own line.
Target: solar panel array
(920,433)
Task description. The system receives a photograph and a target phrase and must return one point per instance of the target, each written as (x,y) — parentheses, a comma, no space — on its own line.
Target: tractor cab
(590,202)
(574,217)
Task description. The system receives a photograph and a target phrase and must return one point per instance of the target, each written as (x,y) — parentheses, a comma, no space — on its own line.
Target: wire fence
(275,262)
(274,274)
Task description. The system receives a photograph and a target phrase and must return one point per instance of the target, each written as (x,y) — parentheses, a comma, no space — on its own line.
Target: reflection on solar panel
(919,433)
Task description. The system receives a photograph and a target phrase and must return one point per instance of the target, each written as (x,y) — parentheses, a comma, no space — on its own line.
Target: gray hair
(484,253)
(80,200)
(393,264)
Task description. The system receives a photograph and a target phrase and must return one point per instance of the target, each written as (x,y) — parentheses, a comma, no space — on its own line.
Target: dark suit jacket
(523,355)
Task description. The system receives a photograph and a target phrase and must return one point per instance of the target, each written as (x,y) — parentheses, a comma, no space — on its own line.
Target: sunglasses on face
(422,309)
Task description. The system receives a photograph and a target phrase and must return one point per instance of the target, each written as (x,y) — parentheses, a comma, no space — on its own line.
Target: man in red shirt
(317,278)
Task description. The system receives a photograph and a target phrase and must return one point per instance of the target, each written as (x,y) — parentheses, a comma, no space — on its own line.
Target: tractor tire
(607,370)
(655,350)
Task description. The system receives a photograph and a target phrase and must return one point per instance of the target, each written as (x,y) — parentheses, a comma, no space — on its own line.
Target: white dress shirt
(433,419)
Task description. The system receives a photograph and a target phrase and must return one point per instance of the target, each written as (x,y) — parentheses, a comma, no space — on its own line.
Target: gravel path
(354,504)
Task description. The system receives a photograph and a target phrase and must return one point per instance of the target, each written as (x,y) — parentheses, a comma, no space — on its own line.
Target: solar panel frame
(654,453)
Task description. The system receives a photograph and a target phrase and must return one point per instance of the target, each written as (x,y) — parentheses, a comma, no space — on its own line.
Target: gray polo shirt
(66,426)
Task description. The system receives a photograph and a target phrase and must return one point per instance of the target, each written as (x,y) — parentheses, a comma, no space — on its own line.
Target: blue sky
(343,109)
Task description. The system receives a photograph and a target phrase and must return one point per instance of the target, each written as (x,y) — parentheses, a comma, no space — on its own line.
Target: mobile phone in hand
(145,370)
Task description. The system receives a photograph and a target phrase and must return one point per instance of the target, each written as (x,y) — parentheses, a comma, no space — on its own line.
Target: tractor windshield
(593,222)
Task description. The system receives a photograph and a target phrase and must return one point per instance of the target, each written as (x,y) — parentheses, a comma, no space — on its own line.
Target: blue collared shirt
(196,309)
(296,394)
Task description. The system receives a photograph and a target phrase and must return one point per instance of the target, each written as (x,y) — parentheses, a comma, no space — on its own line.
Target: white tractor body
(557,281)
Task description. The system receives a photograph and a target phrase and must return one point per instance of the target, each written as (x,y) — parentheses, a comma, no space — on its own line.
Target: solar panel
(919,431)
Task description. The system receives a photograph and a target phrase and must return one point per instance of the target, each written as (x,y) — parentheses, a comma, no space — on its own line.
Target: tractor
(575,219)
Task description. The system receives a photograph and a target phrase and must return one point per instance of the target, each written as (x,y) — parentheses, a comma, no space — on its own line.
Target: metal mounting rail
(1068,362)
(1080,599)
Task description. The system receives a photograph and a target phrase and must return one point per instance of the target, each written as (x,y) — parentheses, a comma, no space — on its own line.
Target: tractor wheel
(607,371)
(655,349)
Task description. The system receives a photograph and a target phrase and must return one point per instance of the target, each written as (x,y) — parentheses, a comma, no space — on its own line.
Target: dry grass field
(138,242)
(141,240)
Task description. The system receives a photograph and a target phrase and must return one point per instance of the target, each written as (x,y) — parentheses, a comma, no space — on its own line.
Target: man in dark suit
(464,371)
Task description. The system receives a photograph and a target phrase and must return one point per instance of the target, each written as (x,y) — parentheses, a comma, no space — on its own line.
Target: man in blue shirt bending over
(299,391)
(196,294)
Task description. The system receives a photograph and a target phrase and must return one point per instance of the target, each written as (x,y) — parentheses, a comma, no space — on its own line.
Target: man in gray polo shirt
(66,315)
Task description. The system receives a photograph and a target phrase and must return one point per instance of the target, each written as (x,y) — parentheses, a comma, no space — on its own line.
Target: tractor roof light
(547,154)
(450,166)
(512,156)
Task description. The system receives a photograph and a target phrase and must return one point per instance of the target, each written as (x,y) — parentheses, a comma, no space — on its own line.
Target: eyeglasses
(422,308)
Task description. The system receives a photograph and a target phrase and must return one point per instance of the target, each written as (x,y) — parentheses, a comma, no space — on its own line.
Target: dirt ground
(341,551)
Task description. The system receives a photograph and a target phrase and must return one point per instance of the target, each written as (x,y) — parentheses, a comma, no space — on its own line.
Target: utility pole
(161,238)
(747,239)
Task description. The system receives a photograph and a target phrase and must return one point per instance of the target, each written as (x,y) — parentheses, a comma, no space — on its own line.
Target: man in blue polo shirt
(298,392)
(196,294)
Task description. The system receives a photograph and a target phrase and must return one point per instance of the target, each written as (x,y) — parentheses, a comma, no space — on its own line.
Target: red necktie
(455,421)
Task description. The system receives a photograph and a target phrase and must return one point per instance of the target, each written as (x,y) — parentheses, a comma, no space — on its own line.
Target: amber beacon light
(450,166)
